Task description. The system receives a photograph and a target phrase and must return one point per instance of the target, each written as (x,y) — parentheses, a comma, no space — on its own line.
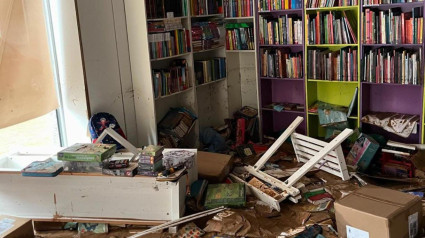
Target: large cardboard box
(375,212)
(15,227)
(213,167)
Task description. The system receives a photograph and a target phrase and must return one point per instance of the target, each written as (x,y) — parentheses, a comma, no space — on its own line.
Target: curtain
(27,87)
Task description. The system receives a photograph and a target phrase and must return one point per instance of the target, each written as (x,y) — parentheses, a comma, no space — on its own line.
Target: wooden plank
(312,162)
(325,162)
(310,140)
(272,180)
(260,194)
(311,145)
(276,145)
(110,221)
(310,153)
(325,168)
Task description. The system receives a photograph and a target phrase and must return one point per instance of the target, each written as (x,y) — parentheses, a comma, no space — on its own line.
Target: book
(353,103)
(285,30)
(332,3)
(238,8)
(210,70)
(280,63)
(267,5)
(320,198)
(129,171)
(147,159)
(169,43)
(162,9)
(330,28)
(152,150)
(46,168)
(206,7)
(157,167)
(81,152)
(239,36)
(225,195)
(171,80)
(206,35)
(331,114)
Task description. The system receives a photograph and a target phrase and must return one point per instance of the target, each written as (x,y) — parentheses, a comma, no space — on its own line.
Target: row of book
(210,70)
(169,43)
(285,106)
(376,2)
(171,80)
(392,26)
(330,3)
(238,8)
(330,28)
(165,25)
(174,126)
(272,5)
(392,66)
(276,63)
(165,8)
(281,31)
(239,36)
(205,7)
(329,65)
(205,35)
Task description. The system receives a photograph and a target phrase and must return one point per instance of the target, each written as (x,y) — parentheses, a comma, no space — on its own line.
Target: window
(42,131)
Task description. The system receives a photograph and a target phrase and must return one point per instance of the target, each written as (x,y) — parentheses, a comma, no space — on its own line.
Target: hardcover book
(87,152)
(46,168)
(225,195)
(152,150)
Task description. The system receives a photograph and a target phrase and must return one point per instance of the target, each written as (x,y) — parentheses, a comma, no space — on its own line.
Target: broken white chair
(314,153)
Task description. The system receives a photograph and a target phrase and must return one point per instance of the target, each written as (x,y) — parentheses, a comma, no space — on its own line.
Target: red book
(403,30)
(318,28)
(320,198)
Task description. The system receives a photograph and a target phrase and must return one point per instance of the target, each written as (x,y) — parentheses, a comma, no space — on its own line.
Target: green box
(231,195)
(87,152)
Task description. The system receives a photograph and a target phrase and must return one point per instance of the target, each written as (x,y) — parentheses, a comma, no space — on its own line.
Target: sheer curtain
(27,87)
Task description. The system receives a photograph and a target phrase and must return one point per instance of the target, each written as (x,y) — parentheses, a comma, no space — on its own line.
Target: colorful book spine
(205,7)
(280,63)
(330,3)
(239,36)
(385,65)
(169,43)
(392,26)
(280,31)
(210,70)
(340,65)
(330,28)
(238,8)
(273,5)
(171,80)
(206,35)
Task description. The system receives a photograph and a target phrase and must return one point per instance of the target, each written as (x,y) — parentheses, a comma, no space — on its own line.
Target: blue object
(213,140)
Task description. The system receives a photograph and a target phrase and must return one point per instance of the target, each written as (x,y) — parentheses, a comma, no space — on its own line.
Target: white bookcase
(211,102)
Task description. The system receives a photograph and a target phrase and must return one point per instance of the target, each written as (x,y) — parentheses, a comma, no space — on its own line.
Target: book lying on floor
(46,168)
(225,195)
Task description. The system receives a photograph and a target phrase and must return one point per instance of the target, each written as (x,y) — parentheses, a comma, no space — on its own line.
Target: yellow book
(290,35)
(239,8)
(286,4)
(280,20)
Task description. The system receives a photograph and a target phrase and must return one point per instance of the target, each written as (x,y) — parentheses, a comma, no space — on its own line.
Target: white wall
(107,61)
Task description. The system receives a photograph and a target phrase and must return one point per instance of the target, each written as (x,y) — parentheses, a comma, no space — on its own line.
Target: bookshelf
(228,87)
(280,65)
(333,81)
(393,93)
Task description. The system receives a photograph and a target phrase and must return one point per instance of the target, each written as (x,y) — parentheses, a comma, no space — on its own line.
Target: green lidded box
(232,195)
(82,152)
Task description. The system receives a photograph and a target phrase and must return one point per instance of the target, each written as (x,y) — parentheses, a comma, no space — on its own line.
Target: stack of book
(281,31)
(392,26)
(278,63)
(210,70)
(330,28)
(163,9)
(392,66)
(83,158)
(171,80)
(164,25)
(169,43)
(205,7)
(332,3)
(267,5)
(176,124)
(150,161)
(238,8)
(239,36)
(332,65)
(205,35)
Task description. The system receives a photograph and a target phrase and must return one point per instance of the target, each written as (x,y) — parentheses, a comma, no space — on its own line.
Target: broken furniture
(314,153)
(91,197)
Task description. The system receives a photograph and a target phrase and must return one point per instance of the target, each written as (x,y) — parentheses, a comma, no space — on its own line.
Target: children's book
(46,168)
(87,152)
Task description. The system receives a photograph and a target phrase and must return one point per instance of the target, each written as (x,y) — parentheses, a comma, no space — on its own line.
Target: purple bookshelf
(281,90)
(392,97)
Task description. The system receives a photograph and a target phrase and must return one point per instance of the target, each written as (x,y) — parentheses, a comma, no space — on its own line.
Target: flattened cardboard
(20,227)
(379,213)
(213,167)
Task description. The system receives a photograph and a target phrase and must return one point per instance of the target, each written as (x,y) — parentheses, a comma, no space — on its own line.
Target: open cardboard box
(15,227)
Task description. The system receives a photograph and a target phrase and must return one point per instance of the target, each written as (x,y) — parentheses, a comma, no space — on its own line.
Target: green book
(152,150)
(232,195)
(87,152)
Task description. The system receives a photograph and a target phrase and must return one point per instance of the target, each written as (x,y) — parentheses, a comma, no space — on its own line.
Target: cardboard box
(213,167)
(15,227)
(375,212)
(362,152)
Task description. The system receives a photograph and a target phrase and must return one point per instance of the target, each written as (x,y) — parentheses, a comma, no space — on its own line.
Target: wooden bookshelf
(332,91)
(394,96)
(280,89)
